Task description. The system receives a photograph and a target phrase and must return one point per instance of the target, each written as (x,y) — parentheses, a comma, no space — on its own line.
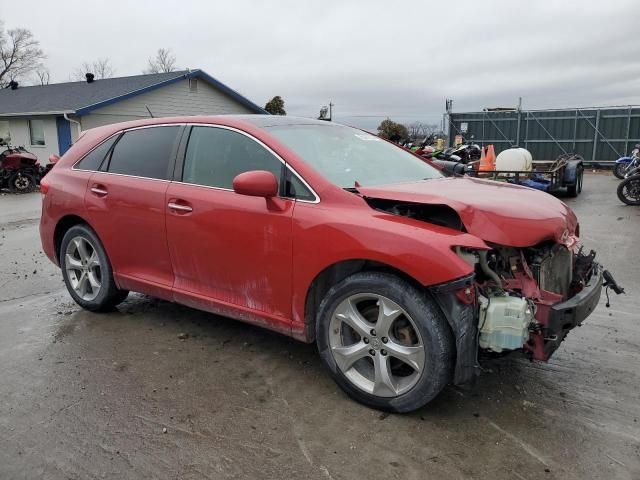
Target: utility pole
(447,115)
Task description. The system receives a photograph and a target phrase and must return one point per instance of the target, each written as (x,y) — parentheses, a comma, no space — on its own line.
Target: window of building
(36,132)
(145,152)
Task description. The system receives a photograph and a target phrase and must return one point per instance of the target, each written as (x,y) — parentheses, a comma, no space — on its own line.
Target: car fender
(420,250)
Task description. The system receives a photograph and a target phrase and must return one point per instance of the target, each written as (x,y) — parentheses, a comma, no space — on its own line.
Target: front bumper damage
(564,316)
(554,318)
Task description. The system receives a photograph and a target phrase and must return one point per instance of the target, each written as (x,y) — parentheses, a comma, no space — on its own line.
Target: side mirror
(53,159)
(256,183)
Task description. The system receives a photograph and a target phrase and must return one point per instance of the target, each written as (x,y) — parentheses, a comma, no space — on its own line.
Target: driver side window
(215,156)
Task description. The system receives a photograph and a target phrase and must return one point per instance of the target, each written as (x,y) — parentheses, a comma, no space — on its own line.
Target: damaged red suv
(324,233)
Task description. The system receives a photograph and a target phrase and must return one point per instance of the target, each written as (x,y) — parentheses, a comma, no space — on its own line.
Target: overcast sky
(371,58)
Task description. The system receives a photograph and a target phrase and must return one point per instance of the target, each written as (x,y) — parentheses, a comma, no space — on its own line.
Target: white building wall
(19,130)
(174,99)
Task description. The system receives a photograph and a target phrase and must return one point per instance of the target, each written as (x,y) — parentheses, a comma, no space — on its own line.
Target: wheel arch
(335,273)
(62,226)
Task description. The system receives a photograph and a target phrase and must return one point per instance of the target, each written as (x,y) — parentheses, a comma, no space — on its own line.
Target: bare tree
(43,76)
(415,129)
(163,62)
(101,68)
(20,54)
(419,130)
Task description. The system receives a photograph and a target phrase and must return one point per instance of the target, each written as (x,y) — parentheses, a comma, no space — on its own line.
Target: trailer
(563,175)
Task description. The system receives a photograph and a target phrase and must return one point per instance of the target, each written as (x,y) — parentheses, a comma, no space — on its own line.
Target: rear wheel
(629,190)
(87,271)
(384,341)
(22,182)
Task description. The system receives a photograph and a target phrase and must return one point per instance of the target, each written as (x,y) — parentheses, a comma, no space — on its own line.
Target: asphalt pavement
(157,390)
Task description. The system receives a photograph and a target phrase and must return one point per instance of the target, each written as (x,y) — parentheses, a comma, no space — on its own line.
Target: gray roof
(82,97)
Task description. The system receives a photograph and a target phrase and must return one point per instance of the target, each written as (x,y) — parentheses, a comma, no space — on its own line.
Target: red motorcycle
(20,170)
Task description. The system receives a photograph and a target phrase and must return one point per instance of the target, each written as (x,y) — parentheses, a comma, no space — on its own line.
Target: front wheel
(87,271)
(629,190)
(619,169)
(384,341)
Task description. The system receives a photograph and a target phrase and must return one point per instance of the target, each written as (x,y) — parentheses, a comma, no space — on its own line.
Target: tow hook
(610,283)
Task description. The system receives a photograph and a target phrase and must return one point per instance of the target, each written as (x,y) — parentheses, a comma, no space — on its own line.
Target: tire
(21,182)
(419,333)
(629,190)
(575,189)
(87,271)
(619,169)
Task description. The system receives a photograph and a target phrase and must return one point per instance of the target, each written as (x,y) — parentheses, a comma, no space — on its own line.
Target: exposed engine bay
(517,289)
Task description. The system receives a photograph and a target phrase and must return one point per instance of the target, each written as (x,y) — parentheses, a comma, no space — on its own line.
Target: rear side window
(94,158)
(216,155)
(145,152)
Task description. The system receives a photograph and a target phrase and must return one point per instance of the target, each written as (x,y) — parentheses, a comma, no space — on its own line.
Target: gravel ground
(156,390)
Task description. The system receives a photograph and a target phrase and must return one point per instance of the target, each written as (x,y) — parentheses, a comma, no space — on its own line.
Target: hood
(496,212)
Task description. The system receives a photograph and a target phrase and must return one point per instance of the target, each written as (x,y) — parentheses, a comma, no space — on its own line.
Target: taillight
(44,188)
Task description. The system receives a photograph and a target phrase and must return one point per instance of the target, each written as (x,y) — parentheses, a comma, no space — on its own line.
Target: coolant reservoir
(514,160)
(504,322)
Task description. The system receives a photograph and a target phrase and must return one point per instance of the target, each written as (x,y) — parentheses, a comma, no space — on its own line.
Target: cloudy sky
(371,58)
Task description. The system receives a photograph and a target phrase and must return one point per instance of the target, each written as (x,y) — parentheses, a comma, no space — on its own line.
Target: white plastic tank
(504,322)
(514,160)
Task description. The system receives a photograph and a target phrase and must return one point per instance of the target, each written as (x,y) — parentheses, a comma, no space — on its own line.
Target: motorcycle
(629,189)
(464,153)
(20,170)
(625,164)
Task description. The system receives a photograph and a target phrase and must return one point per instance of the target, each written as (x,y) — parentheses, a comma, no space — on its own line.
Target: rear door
(126,204)
(232,249)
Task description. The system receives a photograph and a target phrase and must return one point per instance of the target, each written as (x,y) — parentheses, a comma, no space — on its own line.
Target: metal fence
(598,134)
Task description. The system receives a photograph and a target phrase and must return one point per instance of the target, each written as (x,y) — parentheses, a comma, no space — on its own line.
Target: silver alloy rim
(83,267)
(376,345)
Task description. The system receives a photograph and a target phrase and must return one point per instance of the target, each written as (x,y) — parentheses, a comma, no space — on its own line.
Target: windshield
(344,155)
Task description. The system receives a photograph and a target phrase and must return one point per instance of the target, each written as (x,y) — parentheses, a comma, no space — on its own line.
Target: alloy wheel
(83,267)
(376,345)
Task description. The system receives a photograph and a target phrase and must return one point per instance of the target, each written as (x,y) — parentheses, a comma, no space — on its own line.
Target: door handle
(99,190)
(179,207)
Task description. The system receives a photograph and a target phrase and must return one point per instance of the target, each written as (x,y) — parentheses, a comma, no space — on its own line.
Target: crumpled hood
(496,212)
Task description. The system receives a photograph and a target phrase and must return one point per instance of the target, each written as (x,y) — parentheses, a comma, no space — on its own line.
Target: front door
(126,204)
(227,249)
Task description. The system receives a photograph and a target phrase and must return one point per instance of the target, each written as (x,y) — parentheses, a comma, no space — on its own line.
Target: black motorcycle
(629,188)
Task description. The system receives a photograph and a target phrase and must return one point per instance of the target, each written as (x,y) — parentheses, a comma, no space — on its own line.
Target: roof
(81,98)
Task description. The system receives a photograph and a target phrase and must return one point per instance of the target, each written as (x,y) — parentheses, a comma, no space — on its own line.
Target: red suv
(324,233)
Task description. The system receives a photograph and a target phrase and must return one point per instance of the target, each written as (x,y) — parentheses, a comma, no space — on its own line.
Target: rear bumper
(564,316)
